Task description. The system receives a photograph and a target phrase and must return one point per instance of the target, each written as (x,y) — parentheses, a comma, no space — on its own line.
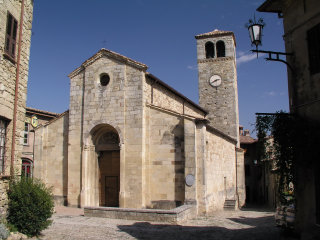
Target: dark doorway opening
(109,179)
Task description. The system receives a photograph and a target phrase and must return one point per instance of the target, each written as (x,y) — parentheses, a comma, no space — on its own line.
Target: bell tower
(217,79)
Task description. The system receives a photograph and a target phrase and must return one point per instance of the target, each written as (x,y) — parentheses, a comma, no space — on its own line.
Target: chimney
(246,132)
(240,130)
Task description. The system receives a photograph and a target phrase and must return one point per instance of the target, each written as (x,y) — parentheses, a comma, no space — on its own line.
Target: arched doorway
(108,150)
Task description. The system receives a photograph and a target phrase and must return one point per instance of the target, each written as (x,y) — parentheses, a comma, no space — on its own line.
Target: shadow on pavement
(262,228)
(257,208)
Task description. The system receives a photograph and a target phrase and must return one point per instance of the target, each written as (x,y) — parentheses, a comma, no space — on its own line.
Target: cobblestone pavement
(249,224)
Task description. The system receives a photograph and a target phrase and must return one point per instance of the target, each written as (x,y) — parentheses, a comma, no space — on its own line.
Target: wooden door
(112,191)
(109,166)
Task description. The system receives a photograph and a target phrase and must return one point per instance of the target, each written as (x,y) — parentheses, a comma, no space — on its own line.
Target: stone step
(229,204)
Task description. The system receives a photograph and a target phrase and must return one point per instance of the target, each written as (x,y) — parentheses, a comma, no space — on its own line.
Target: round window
(104,79)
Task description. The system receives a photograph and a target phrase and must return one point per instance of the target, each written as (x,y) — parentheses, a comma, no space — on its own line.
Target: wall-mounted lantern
(255,32)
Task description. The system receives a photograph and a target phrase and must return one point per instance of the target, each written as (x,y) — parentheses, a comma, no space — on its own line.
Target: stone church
(129,140)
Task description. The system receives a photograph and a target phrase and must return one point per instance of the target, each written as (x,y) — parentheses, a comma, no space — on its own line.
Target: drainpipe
(237,193)
(16,92)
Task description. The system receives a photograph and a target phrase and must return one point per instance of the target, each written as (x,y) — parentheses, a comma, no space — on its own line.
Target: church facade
(129,140)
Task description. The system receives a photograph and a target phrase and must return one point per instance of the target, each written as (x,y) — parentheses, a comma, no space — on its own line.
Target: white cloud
(271,93)
(192,67)
(256,3)
(243,57)
(240,53)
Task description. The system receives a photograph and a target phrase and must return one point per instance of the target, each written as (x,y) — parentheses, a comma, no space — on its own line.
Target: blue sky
(158,33)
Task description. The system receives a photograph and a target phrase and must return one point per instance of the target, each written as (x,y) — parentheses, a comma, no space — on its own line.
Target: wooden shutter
(11,36)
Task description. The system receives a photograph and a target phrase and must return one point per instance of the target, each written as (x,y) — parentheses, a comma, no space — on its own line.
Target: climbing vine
(279,137)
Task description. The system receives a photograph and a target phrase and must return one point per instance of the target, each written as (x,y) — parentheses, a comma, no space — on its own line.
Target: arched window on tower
(221,49)
(209,50)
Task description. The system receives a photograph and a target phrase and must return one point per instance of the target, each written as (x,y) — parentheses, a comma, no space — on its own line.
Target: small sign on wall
(34,121)
(190,180)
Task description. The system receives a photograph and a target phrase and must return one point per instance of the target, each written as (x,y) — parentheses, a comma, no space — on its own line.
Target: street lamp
(255,32)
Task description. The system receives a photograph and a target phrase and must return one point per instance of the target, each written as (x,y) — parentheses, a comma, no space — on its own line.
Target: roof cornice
(110,54)
(171,89)
(216,33)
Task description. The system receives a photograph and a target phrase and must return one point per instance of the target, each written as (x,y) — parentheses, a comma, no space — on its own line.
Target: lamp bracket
(275,56)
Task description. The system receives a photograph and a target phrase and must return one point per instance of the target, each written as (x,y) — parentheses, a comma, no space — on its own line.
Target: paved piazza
(69,224)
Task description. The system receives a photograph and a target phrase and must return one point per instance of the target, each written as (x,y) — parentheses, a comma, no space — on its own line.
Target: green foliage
(30,205)
(11,227)
(279,136)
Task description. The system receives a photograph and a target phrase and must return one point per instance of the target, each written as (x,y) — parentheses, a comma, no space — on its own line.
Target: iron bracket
(275,56)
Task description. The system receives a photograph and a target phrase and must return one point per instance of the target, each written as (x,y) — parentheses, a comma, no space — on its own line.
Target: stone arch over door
(101,167)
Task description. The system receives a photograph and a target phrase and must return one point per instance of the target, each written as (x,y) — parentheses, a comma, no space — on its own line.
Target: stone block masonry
(8,68)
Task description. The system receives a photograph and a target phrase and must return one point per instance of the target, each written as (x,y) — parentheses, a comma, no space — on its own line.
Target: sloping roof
(105,52)
(141,66)
(247,139)
(216,32)
(163,84)
(53,120)
(41,112)
(271,6)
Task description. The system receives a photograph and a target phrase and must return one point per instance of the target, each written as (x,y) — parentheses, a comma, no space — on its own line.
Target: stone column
(90,177)
(122,196)
(241,185)
(190,161)
(201,155)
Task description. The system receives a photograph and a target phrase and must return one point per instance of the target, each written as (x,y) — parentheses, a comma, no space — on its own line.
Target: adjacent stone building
(34,117)
(260,176)
(131,141)
(301,21)
(15,35)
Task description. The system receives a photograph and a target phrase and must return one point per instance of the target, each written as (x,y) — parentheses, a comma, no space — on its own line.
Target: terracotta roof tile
(29,109)
(215,32)
(247,139)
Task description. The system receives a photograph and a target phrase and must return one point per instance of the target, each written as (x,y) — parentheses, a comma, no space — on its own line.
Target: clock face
(215,81)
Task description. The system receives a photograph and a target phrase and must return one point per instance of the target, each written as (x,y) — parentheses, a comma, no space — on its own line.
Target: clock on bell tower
(217,79)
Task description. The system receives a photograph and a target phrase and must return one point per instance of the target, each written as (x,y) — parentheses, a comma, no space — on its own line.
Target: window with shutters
(313,38)
(26,134)
(11,36)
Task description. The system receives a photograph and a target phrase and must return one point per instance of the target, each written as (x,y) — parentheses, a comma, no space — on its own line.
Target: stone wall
(117,105)
(304,94)
(4,185)
(220,171)
(8,77)
(160,96)
(50,160)
(166,159)
(8,80)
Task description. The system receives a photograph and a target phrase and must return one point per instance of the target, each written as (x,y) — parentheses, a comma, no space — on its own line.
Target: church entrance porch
(109,179)
(101,168)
